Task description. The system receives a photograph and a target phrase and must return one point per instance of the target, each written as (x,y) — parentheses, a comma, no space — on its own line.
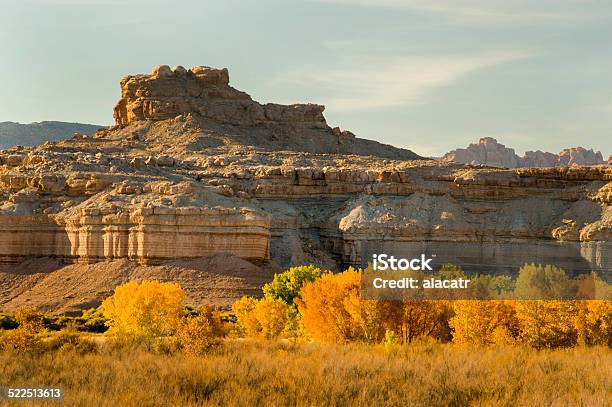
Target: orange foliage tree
(322,306)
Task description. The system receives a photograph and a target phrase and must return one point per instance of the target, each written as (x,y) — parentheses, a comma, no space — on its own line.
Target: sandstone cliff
(195,168)
(489,152)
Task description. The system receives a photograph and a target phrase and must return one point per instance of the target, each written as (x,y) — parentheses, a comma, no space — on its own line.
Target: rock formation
(195,168)
(491,153)
(14,134)
(203,94)
(206,91)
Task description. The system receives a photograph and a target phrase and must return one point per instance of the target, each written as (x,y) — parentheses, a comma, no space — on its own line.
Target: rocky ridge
(182,181)
(489,152)
(13,134)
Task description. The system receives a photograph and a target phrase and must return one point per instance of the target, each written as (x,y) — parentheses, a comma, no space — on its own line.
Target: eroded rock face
(197,168)
(489,152)
(167,93)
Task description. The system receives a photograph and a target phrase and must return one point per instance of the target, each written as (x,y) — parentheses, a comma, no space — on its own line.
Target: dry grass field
(251,372)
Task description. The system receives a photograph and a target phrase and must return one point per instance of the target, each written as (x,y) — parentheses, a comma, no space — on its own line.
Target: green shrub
(93,320)
(286,286)
(8,322)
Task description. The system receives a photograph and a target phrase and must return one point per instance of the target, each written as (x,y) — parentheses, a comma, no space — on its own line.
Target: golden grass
(275,373)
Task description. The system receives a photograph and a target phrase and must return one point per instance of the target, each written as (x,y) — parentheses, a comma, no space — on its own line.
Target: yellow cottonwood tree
(483,322)
(425,318)
(272,315)
(265,318)
(144,309)
(244,309)
(371,316)
(594,322)
(547,323)
(197,334)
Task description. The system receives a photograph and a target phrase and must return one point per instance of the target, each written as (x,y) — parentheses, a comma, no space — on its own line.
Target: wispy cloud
(606,107)
(369,83)
(491,11)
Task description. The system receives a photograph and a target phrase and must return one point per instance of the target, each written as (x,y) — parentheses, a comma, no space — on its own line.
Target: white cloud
(369,83)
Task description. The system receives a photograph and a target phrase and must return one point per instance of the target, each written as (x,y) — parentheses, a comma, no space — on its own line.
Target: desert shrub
(426,373)
(265,318)
(26,337)
(70,341)
(8,322)
(20,340)
(91,320)
(59,322)
(189,311)
(287,285)
(198,334)
(30,320)
(146,309)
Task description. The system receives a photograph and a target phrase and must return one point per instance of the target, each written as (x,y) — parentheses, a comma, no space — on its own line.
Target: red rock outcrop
(491,153)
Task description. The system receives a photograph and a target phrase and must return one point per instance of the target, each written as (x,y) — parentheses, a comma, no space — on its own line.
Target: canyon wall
(195,168)
(146,235)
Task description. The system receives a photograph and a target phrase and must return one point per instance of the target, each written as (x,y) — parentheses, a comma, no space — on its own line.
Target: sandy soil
(57,287)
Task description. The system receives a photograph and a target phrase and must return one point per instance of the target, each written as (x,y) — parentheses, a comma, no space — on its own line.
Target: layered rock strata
(147,235)
(197,168)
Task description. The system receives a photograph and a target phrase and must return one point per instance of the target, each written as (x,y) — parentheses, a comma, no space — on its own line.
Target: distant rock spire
(489,152)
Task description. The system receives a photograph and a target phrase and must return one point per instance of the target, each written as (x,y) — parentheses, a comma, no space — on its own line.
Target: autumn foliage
(265,318)
(144,309)
(332,310)
(325,315)
(26,337)
(197,334)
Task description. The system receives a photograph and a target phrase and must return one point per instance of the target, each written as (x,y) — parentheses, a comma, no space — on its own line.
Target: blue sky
(429,75)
